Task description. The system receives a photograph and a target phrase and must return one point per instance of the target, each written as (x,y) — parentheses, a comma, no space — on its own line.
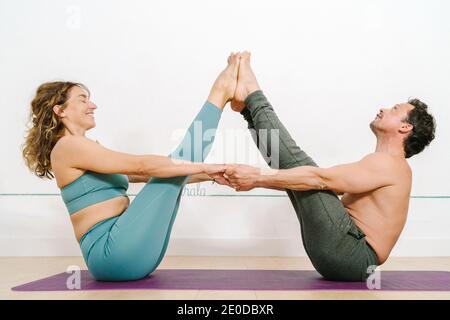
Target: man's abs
(381,215)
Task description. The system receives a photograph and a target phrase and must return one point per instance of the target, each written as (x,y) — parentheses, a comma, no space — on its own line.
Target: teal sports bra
(93,187)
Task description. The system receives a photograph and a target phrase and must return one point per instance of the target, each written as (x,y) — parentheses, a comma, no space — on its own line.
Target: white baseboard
(411,247)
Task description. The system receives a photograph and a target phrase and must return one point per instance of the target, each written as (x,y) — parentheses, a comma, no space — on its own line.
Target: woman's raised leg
(132,245)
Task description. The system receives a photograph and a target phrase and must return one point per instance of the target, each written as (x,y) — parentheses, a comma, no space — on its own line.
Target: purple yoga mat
(195,279)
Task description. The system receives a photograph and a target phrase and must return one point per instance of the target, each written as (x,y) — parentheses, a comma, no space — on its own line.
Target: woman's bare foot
(246,84)
(225,85)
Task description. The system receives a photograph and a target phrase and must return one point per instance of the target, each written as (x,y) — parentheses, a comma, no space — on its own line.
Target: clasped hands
(240,177)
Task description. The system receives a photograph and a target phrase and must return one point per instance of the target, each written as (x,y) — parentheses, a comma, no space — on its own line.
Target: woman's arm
(201,177)
(134,178)
(196,178)
(83,153)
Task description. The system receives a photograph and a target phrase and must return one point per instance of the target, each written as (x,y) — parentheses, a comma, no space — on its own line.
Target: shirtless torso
(84,219)
(381,214)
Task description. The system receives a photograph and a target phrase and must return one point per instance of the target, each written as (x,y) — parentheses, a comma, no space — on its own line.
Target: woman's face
(79,113)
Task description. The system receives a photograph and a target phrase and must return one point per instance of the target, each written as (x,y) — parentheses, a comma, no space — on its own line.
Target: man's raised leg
(330,237)
(263,122)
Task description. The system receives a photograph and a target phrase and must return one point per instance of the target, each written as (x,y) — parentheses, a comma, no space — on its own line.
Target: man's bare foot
(225,85)
(246,84)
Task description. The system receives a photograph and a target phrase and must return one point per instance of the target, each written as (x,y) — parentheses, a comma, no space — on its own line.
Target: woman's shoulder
(64,173)
(66,142)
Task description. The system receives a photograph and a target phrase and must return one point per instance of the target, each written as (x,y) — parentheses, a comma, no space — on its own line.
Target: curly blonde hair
(45,127)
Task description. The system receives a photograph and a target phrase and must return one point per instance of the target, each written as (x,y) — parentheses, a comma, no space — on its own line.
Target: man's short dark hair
(424,127)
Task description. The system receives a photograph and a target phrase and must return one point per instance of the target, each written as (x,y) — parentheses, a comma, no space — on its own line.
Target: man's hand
(242,177)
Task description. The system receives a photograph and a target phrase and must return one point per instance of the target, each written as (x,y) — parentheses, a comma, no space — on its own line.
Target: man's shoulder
(380,158)
(388,162)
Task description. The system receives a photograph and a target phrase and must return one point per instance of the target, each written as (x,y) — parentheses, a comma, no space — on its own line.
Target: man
(344,238)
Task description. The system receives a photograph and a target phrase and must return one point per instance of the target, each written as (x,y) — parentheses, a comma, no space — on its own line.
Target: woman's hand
(220,179)
(213,169)
(215,172)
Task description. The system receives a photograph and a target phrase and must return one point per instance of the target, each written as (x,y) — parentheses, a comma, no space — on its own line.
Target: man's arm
(277,188)
(374,171)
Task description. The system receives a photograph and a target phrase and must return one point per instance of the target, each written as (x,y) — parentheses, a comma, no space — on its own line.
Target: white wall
(326,66)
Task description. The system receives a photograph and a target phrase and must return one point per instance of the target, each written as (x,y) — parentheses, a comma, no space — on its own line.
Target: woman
(119,240)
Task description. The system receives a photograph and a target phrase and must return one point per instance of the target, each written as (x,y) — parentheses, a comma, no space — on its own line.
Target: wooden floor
(19,270)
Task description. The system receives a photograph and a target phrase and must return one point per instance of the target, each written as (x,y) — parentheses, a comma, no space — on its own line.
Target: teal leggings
(132,245)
